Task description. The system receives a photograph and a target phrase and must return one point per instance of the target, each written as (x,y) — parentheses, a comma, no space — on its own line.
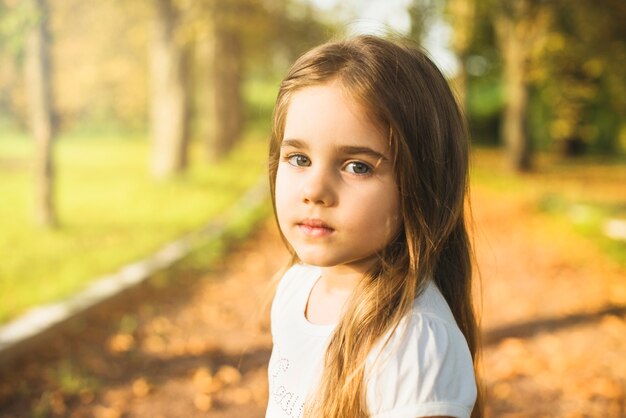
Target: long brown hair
(404,92)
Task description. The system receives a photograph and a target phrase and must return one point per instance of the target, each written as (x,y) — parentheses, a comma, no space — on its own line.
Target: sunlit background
(125,125)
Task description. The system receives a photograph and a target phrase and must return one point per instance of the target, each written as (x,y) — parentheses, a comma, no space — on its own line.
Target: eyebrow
(352,150)
(296,143)
(346,149)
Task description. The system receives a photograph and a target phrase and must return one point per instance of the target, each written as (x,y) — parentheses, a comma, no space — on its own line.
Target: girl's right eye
(298,160)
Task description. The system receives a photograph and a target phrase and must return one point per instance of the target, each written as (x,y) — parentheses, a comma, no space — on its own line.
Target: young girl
(368,173)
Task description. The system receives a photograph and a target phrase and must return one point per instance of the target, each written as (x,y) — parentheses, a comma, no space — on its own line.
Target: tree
(37,72)
(170,117)
(225,75)
(519,25)
(461,14)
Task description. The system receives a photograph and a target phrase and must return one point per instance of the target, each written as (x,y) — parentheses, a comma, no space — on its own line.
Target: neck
(342,278)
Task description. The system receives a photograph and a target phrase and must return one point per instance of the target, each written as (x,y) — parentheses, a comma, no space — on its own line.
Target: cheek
(282,192)
(377,213)
(279,183)
(391,216)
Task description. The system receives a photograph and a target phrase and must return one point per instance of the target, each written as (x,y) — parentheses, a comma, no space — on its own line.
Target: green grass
(111,211)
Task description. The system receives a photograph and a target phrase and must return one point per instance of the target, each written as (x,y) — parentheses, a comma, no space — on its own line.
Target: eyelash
(293,158)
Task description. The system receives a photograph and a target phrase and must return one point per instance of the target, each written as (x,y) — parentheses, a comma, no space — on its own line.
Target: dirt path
(196,348)
(554,315)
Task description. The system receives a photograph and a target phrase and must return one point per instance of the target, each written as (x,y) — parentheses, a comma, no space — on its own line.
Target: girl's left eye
(356,167)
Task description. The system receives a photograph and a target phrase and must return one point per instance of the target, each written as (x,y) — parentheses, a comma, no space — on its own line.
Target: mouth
(315,228)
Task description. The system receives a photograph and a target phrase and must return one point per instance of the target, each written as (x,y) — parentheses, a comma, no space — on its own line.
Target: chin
(316,260)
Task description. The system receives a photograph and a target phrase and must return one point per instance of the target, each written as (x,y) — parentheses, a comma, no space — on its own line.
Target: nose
(319,187)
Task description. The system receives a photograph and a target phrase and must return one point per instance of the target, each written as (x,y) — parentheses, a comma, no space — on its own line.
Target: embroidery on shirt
(288,401)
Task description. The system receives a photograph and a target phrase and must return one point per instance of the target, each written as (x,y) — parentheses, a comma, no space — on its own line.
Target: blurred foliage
(100,52)
(96,78)
(582,81)
(575,71)
(15,18)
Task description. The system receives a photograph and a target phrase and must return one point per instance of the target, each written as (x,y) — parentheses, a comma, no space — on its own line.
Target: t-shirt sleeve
(424,370)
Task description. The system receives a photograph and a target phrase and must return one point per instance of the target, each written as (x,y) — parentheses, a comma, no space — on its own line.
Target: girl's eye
(356,167)
(299,160)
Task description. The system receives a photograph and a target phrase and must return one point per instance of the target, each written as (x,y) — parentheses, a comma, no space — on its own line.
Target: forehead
(327,112)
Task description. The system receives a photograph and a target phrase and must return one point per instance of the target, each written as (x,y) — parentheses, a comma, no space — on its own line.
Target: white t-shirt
(425,369)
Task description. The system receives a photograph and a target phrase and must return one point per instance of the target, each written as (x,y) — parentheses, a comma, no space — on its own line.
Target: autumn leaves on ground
(195,342)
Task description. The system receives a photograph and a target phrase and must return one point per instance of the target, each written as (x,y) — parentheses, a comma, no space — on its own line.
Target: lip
(315,228)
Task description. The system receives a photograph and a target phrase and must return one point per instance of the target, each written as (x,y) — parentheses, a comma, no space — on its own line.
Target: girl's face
(336,196)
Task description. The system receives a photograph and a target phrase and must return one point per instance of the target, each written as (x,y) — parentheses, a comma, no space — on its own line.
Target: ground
(553,319)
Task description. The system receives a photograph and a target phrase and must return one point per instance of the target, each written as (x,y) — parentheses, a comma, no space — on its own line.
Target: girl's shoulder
(432,304)
(429,327)
(424,367)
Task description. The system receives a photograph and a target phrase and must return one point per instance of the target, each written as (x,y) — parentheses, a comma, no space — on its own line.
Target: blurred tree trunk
(514,129)
(519,24)
(512,48)
(228,95)
(37,72)
(205,52)
(170,116)
(225,84)
(461,14)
